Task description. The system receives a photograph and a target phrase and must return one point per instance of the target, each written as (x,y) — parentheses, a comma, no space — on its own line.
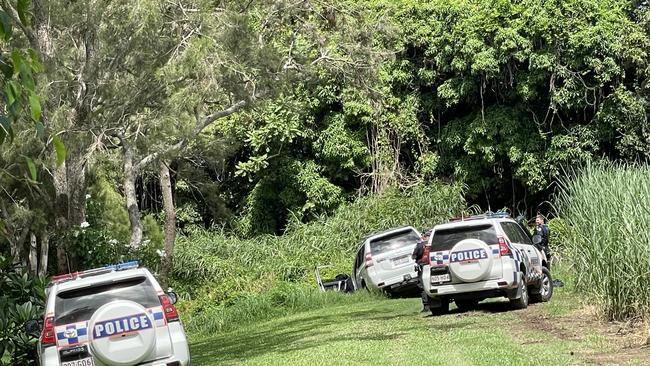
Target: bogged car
(383,261)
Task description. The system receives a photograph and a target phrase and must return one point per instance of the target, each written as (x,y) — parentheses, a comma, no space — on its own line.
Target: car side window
(359,259)
(507,229)
(513,234)
(525,239)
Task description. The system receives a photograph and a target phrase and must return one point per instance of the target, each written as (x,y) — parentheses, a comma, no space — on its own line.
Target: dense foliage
(606,216)
(21,299)
(334,99)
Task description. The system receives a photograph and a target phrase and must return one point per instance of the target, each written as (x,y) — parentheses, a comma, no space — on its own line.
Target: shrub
(607,231)
(21,299)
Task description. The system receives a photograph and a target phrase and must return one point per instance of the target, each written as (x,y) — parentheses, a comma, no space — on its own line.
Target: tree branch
(29,32)
(201,124)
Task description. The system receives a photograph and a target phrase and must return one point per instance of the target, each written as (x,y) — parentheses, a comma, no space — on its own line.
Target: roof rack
(487,215)
(95,271)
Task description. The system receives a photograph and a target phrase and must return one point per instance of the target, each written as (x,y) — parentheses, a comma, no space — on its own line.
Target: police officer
(542,230)
(419,254)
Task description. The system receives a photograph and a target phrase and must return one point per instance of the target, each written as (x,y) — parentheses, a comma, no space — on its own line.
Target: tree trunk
(130,175)
(70,209)
(45,249)
(18,247)
(61,215)
(33,256)
(76,177)
(170,220)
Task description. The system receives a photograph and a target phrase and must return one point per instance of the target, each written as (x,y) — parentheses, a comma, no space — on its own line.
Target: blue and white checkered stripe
(439,258)
(158,316)
(517,256)
(71,334)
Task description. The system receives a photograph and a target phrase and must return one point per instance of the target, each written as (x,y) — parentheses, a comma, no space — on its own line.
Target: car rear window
(445,239)
(393,241)
(79,304)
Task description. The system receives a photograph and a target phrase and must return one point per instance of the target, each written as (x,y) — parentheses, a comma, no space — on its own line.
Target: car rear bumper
(451,289)
(409,279)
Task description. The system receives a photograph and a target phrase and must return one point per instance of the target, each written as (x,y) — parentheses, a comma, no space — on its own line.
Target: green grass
(277,302)
(393,332)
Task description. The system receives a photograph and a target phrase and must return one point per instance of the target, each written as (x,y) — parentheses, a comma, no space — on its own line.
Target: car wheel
(545,290)
(466,305)
(439,309)
(522,301)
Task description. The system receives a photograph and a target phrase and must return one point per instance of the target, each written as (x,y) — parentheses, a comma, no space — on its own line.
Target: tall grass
(217,271)
(607,211)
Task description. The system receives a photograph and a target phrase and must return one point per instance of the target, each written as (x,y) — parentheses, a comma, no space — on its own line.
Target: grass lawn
(393,332)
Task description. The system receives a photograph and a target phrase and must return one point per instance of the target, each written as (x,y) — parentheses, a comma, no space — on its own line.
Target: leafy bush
(95,247)
(21,299)
(607,231)
(217,271)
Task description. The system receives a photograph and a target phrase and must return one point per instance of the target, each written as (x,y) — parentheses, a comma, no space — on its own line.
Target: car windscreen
(445,239)
(393,241)
(77,305)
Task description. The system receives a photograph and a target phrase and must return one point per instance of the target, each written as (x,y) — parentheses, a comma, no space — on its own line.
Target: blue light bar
(123,266)
(127,265)
(500,215)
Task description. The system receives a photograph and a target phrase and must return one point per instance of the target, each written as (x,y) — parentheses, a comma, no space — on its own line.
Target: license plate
(83,362)
(440,278)
(399,261)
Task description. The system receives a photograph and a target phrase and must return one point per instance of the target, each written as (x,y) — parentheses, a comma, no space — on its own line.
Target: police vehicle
(116,315)
(485,256)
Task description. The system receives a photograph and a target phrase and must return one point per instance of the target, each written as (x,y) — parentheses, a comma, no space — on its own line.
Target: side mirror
(537,239)
(172,297)
(33,327)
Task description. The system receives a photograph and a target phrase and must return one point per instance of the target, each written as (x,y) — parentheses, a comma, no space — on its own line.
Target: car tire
(544,291)
(441,309)
(522,301)
(466,305)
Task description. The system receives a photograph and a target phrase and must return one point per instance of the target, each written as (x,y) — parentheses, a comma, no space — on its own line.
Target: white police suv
(116,315)
(484,256)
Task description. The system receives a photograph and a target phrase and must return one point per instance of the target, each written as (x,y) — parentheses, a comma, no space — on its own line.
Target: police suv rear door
(521,241)
(103,313)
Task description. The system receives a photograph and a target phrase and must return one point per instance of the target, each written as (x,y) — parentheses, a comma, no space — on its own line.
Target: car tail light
(48,336)
(368,260)
(168,308)
(504,249)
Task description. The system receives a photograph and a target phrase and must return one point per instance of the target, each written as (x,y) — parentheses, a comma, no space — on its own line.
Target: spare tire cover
(122,333)
(470,260)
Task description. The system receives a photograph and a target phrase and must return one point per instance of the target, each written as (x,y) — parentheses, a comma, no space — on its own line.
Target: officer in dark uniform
(420,254)
(542,230)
